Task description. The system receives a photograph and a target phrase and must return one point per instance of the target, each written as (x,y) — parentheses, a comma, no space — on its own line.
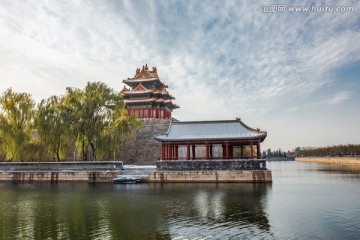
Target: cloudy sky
(294,74)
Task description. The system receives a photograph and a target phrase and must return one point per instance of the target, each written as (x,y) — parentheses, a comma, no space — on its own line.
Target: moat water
(305,201)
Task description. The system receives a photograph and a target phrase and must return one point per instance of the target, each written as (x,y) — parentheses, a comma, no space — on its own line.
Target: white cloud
(220,59)
(339,97)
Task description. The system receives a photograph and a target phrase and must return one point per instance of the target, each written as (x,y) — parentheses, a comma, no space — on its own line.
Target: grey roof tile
(210,130)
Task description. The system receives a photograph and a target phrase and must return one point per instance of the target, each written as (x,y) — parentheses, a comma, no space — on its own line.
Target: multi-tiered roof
(147,95)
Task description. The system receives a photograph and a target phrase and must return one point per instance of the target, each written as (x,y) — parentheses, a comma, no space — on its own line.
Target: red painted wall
(149,113)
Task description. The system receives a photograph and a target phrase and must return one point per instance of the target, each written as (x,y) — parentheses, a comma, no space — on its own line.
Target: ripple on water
(302,203)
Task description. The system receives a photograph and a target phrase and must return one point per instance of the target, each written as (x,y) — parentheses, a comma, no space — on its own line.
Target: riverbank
(337,160)
(97,171)
(216,171)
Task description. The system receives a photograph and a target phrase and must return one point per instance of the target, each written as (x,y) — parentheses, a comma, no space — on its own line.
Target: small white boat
(127,179)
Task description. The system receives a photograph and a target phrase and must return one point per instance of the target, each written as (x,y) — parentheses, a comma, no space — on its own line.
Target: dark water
(305,201)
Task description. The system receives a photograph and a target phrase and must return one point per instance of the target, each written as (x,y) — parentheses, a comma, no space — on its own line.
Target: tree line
(276,153)
(90,121)
(338,150)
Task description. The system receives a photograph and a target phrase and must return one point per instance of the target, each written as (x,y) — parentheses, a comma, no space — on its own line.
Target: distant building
(147,95)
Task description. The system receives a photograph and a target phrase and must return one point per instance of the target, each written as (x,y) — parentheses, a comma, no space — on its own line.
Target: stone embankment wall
(61,166)
(253,171)
(247,176)
(54,177)
(60,171)
(338,160)
(141,147)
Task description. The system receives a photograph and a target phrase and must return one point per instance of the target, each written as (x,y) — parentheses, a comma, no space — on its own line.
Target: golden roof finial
(154,69)
(146,67)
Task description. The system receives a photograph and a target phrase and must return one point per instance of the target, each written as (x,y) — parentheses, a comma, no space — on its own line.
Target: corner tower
(147,95)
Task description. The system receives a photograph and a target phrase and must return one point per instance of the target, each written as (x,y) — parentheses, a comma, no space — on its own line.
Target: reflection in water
(353,169)
(305,201)
(209,206)
(309,202)
(147,211)
(26,224)
(220,210)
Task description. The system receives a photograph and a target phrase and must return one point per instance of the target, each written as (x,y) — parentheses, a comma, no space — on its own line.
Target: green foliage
(52,124)
(119,128)
(276,153)
(97,117)
(16,116)
(93,120)
(338,150)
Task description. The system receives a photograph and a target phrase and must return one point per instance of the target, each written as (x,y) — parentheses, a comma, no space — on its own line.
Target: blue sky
(294,74)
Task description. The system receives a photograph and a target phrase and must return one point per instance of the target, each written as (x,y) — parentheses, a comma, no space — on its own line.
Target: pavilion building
(147,96)
(211,145)
(229,135)
(211,151)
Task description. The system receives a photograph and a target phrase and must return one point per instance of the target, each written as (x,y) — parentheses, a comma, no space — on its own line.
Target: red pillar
(227,150)
(224,151)
(173,152)
(187,151)
(207,151)
(258,150)
(176,152)
(169,152)
(211,151)
(193,151)
(251,150)
(162,151)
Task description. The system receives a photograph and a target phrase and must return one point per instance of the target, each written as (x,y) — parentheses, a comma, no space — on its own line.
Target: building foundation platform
(236,176)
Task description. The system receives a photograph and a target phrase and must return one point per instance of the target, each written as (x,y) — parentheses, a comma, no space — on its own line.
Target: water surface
(305,201)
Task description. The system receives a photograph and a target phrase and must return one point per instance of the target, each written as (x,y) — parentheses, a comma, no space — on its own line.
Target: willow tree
(52,124)
(16,118)
(96,113)
(120,127)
